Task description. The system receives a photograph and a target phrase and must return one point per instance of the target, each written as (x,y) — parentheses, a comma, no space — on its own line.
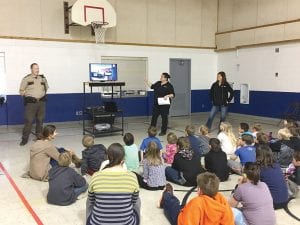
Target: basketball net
(99,30)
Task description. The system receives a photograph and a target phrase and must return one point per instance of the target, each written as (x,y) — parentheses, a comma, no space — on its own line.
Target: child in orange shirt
(209,208)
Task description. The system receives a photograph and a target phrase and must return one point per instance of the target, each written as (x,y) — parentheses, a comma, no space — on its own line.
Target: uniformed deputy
(162,89)
(33,88)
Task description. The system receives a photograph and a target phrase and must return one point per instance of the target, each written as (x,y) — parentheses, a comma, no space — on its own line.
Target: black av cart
(107,118)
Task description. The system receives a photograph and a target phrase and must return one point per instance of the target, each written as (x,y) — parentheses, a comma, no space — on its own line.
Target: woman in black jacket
(221,94)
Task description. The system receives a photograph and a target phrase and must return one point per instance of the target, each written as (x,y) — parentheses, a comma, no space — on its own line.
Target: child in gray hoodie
(65,185)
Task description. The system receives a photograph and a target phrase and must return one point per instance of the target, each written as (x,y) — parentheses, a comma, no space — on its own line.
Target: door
(180,71)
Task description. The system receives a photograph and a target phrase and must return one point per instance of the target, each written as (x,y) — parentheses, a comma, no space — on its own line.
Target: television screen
(103,72)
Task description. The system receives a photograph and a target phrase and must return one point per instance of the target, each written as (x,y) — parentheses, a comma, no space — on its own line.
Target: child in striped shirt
(113,193)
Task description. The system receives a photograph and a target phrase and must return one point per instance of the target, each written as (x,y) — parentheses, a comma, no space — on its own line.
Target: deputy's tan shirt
(34,86)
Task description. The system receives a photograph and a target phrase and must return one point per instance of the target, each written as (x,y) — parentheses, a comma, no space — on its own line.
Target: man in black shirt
(163,92)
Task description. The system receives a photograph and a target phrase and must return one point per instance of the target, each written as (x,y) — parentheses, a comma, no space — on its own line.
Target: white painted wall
(257,66)
(66,64)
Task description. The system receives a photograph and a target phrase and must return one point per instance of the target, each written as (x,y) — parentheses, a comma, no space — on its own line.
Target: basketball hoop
(99,30)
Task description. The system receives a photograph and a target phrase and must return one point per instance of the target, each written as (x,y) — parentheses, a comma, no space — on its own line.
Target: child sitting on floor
(294,138)
(243,129)
(186,165)
(209,208)
(131,153)
(193,139)
(256,128)
(261,139)
(255,197)
(92,156)
(171,148)
(271,174)
(283,148)
(152,132)
(204,139)
(295,173)
(65,185)
(246,153)
(216,160)
(153,169)
(290,122)
(227,139)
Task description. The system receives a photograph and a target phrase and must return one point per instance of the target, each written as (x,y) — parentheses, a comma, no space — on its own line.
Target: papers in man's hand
(162,101)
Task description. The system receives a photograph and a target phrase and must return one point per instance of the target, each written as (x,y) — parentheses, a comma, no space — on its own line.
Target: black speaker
(110,106)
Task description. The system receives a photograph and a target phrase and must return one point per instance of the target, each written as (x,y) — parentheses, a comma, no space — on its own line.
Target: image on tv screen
(103,72)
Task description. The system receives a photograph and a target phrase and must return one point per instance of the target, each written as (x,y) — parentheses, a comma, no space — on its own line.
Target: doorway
(180,71)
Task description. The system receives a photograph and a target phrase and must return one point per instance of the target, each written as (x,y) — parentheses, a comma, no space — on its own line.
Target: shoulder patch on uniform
(42,76)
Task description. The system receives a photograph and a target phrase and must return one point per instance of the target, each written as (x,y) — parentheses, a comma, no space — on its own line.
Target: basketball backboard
(83,12)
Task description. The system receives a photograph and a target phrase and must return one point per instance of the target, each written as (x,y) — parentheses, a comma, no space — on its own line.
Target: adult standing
(33,88)
(163,93)
(221,93)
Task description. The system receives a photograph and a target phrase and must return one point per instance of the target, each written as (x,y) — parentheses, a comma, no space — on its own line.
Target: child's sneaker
(182,181)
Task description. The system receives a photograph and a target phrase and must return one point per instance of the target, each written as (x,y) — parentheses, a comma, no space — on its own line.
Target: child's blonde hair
(284,134)
(88,141)
(257,127)
(227,129)
(190,130)
(153,154)
(64,159)
(171,138)
(203,130)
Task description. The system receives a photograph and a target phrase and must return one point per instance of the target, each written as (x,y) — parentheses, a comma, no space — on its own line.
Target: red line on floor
(21,196)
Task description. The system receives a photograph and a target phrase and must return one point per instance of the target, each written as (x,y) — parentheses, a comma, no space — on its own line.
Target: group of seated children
(44,155)
(211,207)
(48,163)
(208,207)
(116,174)
(255,197)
